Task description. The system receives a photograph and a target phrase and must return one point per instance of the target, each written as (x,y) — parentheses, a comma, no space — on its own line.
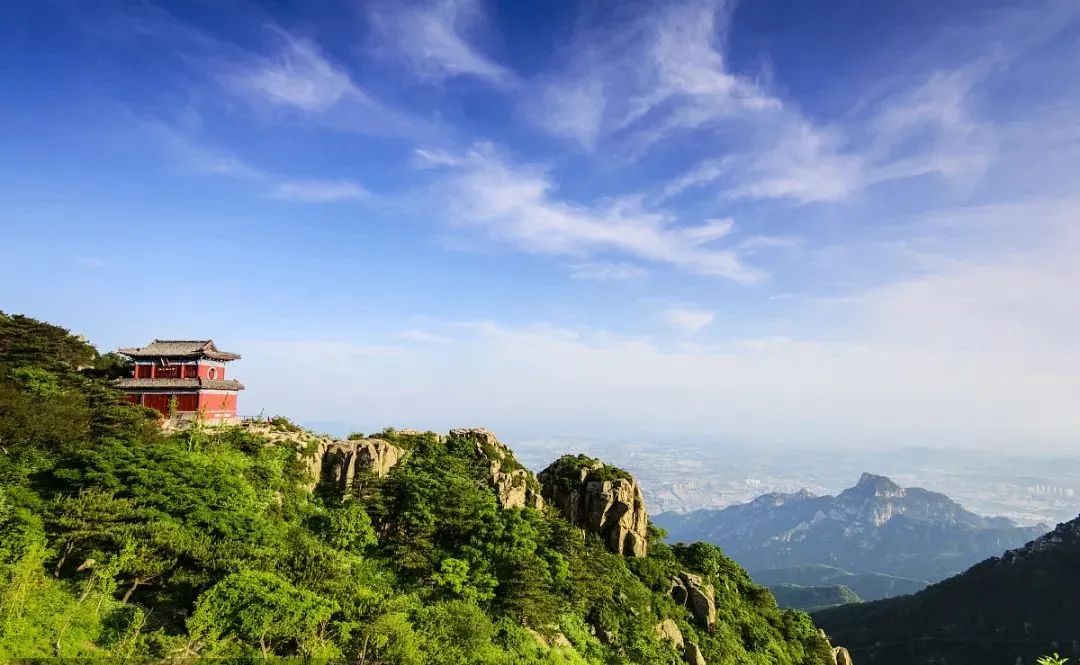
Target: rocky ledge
(598,498)
(515,485)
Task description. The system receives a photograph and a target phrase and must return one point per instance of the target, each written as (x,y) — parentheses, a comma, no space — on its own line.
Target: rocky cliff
(515,485)
(600,499)
(338,464)
(335,465)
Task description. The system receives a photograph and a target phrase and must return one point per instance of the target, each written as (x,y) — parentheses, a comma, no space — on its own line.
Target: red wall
(211,404)
(216,403)
(204,372)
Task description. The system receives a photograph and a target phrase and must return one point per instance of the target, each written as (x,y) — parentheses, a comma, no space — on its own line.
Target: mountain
(875,526)
(1008,609)
(868,586)
(264,542)
(813,597)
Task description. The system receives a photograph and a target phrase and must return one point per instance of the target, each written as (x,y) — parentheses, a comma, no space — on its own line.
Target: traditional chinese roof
(193,384)
(180,348)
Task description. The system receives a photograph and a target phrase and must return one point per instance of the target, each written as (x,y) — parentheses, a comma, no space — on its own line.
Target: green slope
(813,597)
(118,542)
(1019,606)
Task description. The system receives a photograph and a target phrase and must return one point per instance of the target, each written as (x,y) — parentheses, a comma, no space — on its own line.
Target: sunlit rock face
(600,499)
(698,596)
(515,486)
(336,464)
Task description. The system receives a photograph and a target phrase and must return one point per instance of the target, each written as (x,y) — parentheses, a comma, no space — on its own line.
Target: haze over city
(789,224)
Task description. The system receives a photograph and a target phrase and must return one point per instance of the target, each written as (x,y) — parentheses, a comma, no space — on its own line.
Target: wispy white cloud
(298,75)
(572,108)
(422,336)
(94,263)
(315,191)
(648,77)
(601,271)
(977,354)
(433,37)
(687,319)
(759,243)
(200,156)
(517,204)
(663,74)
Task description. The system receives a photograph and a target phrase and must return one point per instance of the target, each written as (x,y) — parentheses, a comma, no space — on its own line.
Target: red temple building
(183,379)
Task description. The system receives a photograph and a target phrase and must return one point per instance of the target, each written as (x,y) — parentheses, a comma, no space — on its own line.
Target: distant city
(685,477)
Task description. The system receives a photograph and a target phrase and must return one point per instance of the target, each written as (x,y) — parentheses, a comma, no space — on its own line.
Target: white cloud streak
(687,319)
(600,271)
(978,354)
(200,157)
(516,204)
(432,38)
(320,191)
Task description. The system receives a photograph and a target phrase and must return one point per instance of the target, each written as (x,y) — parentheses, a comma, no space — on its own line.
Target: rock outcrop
(697,595)
(693,655)
(841,656)
(515,485)
(336,463)
(600,499)
(330,462)
(667,630)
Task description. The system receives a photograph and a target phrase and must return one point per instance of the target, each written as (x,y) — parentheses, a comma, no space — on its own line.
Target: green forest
(119,541)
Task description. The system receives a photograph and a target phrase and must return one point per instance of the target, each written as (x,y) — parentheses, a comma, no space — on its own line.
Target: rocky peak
(777,499)
(598,498)
(515,485)
(871,485)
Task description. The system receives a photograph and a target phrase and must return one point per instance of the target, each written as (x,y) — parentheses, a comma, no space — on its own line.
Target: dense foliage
(1008,609)
(118,541)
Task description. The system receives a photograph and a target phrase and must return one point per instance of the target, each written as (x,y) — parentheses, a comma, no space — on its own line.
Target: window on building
(212,373)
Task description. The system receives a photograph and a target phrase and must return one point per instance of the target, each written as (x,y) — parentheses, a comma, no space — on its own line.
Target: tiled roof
(180,348)
(195,384)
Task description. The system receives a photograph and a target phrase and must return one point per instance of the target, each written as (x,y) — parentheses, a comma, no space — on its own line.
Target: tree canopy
(118,541)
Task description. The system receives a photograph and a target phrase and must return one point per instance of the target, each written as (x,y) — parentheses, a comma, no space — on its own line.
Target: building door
(157,401)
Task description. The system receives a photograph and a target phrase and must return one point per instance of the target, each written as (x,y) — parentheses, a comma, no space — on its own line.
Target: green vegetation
(1012,608)
(813,597)
(867,586)
(119,542)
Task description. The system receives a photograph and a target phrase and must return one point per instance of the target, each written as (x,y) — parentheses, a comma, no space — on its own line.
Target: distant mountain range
(874,527)
(1008,609)
(810,598)
(867,586)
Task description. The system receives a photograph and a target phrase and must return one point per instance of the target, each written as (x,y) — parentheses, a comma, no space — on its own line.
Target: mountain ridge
(874,526)
(1011,608)
(125,541)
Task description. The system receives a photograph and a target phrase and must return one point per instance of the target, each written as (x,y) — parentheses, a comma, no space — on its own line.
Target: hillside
(868,586)
(124,543)
(810,598)
(1008,609)
(874,527)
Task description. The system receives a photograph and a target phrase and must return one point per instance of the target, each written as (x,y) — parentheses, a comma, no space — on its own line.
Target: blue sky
(787,223)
